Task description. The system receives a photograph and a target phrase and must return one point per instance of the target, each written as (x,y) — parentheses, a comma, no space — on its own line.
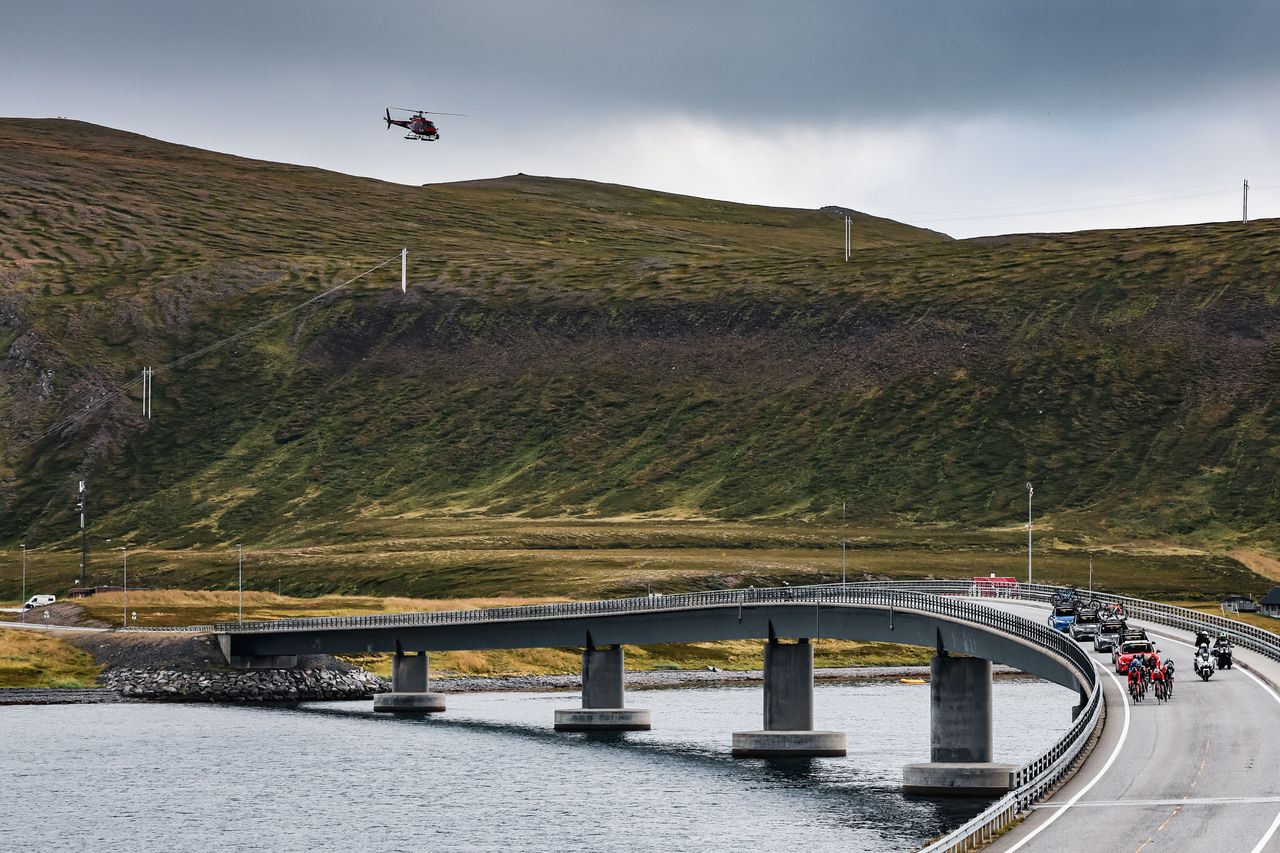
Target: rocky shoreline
(261,685)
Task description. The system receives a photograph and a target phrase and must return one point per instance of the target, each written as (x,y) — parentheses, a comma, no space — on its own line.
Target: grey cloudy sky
(970,116)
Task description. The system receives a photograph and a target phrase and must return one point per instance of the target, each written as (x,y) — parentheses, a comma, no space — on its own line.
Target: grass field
(35,659)
(729,655)
(559,558)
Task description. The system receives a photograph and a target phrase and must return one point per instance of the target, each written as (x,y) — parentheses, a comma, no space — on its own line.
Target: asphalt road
(1200,774)
(40,626)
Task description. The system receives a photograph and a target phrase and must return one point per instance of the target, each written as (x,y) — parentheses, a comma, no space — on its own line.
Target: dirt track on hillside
(1268,567)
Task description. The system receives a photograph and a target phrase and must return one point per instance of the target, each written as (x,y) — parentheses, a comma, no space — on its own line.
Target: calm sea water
(489,774)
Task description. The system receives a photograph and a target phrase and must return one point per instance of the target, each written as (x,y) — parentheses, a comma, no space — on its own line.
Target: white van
(40,601)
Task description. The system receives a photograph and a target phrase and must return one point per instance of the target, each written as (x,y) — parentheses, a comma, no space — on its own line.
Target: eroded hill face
(569,347)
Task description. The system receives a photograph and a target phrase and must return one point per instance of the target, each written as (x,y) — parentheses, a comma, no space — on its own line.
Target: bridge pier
(959,734)
(410,677)
(788,708)
(602,697)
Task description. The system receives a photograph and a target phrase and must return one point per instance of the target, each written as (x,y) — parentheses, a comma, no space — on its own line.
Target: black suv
(1110,631)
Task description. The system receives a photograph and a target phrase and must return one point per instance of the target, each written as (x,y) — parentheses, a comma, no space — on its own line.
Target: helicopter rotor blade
(425,112)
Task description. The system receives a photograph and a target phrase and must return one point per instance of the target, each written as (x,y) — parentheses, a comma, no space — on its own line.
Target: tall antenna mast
(1244,219)
(404,270)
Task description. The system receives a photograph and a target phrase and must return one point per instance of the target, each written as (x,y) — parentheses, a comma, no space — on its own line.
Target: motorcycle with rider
(1222,650)
(1203,663)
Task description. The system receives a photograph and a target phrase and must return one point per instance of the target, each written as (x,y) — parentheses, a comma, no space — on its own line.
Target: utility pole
(24,581)
(848,238)
(148,379)
(1244,219)
(404,270)
(82,508)
(844,577)
(240,582)
(1090,575)
(1030,491)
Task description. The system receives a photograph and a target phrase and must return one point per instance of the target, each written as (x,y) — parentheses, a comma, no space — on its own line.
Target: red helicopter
(419,126)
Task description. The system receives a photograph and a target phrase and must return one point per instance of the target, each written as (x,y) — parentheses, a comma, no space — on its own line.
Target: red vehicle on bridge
(994,587)
(1131,646)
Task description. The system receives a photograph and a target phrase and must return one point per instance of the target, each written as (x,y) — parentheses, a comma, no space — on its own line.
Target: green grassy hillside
(578,349)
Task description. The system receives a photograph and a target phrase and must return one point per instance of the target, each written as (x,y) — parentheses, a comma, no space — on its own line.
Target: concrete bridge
(1195,775)
(966,638)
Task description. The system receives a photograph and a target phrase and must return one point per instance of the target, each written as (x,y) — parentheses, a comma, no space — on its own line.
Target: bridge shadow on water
(839,791)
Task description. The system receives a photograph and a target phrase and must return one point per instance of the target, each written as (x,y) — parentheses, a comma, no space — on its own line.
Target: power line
(1099,203)
(98,402)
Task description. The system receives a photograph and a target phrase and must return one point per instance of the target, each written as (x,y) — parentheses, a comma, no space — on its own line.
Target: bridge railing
(926,598)
(169,629)
(1242,634)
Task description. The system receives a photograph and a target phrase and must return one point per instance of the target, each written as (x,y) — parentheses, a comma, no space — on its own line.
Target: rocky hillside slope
(575,348)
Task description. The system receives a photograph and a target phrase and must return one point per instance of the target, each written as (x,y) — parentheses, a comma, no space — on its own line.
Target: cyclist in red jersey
(1159,682)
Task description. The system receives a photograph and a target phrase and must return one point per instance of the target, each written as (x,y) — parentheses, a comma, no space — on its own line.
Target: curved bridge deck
(910,618)
(1196,774)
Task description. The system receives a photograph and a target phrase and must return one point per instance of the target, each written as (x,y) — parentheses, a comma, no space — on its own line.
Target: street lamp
(240,581)
(24,581)
(1030,491)
(124,611)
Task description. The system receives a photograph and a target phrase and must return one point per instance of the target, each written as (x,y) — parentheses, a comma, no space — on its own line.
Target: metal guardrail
(179,629)
(1242,634)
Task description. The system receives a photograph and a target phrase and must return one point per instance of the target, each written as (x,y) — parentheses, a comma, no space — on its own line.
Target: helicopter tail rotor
(388,119)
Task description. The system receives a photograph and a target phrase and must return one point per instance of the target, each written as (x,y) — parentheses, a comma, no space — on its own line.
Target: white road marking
(1187,801)
(1124,734)
(1275,824)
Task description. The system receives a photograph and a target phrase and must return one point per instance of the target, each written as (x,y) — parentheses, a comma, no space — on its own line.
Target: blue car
(1062,618)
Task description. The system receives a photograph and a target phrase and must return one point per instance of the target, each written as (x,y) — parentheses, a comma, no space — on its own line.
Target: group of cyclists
(1148,672)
